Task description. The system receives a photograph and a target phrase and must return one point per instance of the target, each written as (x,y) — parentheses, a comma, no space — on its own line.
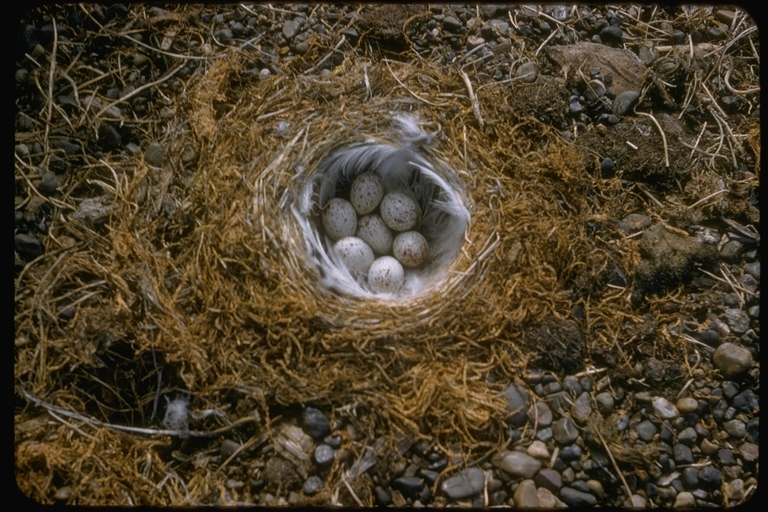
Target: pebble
(734,490)
(690,477)
(228,447)
(383,496)
(731,251)
(710,476)
(687,436)
(28,246)
(541,415)
(564,431)
(737,320)
(571,453)
(63,493)
(635,501)
(611,34)
(708,447)
(753,269)
(682,454)
(315,423)
(49,183)
(517,404)
(517,464)
(684,500)
(575,498)
(686,405)
(582,408)
(732,360)
(538,450)
(646,430)
(604,403)
(749,451)
(663,408)
(545,434)
(624,102)
(527,73)
(746,401)
(312,485)
(409,486)
(549,479)
(735,428)
(324,455)
(153,156)
(525,495)
(451,24)
(546,498)
(291,28)
(464,484)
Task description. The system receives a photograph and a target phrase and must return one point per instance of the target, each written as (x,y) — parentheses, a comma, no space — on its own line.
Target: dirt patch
(558,345)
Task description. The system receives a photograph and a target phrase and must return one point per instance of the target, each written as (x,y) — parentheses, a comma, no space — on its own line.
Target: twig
(327,56)
(349,488)
(386,61)
(710,196)
(73,427)
(473,99)
(138,90)
(728,84)
(51,74)
(554,32)
(136,430)
(663,137)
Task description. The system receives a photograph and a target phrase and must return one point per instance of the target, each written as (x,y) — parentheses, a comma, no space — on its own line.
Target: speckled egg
(399,211)
(386,275)
(366,192)
(375,233)
(355,254)
(339,218)
(410,248)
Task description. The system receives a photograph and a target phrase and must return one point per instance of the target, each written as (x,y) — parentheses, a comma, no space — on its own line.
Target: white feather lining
(404,168)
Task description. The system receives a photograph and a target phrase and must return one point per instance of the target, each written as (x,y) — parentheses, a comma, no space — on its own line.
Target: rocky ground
(670,433)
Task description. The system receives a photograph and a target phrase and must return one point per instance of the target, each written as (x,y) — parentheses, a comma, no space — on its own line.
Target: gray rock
(517,404)
(488,11)
(312,485)
(690,477)
(604,403)
(517,464)
(316,424)
(525,495)
(635,501)
(737,320)
(754,311)
(564,431)
(549,479)
(687,436)
(734,490)
(464,484)
(731,251)
(575,498)
(732,360)
(153,156)
(451,24)
(684,500)
(49,183)
(527,73)
(746,401)
(646,430)
(409,486)
(748,282)
(682,454)
(735,428)
(223,35)
(228,447)
(324,455)
(540,414)
(624,102)
(611,34)
(637,221)
(290,29)
(28,246)
(545,434)
(710,476)
(663,408)
(753,269)
(582,408)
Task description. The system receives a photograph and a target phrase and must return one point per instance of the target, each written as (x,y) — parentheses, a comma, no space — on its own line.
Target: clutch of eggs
(360,232)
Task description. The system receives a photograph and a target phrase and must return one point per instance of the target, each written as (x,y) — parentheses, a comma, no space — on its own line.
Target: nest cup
(404,166)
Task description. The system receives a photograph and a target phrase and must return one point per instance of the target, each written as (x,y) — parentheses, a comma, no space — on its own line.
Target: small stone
(734,490)
(732,360)
(753,269)
(28,246)
(643,396)
(228,447)
(290,29)
(383,496)
(749,451)
(547,500)
(746,401)
(688,436)
(525,495)
(538,450)
(568,474)
(540,414)
(611,34)
(549,479)
(682,454)
(663,408)
(710,476)
(646,430)
(223,35)
(595,487)
(749,283)
(684,500)
(153,156)
(624,102)
(564,431)
(686,405)
(690,477)
(582,408)
(737,320)
(312,485)
(517,404)
(571,453)
(635,501)
(735,428)
(604,403)
(708,447)
(544,434)
(49,183)
(451,24)
(527,73)
(464,484)
(316,424)
(731,251)
(517,464)
(575,498)
(63,493)
(324,455)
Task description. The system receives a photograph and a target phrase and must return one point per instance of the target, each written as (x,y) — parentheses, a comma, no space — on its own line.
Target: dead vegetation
(190,278)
